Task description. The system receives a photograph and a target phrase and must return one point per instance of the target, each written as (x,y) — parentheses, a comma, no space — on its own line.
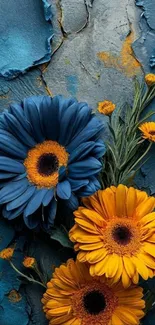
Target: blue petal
(13,214)
(67,123)
(72,203)
(17,130)
(83,116)
(84,168)
(76,184)
(17,178)
(18,112)
(90,189)
(23,198)
(48,197)
(13,190)
(6,175)
(35,202)
(49,113)
(99,149)
(90,133)
(62,104)
(11,145)
(52,211)
(82,151)
(31,221)
(10,165)
(31,109)
(64,190)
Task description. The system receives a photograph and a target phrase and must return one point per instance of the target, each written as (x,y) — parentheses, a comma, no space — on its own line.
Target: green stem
(144,154)
(25,276)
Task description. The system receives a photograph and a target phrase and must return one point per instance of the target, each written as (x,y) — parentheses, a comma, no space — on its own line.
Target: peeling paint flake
(149,11)
(26,32)
(144,47)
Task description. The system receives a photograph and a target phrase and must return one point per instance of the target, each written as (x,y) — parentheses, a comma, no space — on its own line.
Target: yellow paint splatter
(14,296)
(126,61)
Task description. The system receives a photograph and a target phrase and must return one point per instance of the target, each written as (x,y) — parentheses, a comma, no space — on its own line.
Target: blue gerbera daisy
(50,148)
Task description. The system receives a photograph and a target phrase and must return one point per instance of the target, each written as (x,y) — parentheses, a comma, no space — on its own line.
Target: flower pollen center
(94,302)
(122,235)
(47,164)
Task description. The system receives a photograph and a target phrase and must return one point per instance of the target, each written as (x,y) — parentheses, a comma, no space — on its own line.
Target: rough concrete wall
(95,60)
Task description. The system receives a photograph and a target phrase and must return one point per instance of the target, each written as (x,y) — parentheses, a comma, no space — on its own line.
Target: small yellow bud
(150,79)
(7,253)
(29,262)
(106,107)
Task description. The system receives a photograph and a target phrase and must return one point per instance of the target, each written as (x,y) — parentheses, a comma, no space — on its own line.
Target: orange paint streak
(14,296)
(126,61)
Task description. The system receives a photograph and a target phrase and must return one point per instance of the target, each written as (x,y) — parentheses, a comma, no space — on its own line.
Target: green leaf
(60,234)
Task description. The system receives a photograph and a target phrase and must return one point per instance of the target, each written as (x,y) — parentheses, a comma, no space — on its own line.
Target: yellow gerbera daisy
(116,234)
(150,79)
(73,297)
(148,130)
(106,107)
(7,253)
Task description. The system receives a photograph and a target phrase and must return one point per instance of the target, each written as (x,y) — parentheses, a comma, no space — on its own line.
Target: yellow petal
(112,266)
(149,248)
(147,219)
(82,236)
(81,256)
(94,217)
(96,255)
(131,201)
(116,320)
(59,311)
(129,266)
(126,316)
(147,259)
(86,225)
(65,319)
(118,274)
(141,196)
(125,280)
(100,267)
(89,247)
(109,202)
(145,207)
(135,278)
(151,239)
(121,201)
(95,203)
(141,268)
(101,199)
(58,303)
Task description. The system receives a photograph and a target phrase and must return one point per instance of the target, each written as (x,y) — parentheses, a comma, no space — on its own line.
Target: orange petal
(131,201)
(121,201)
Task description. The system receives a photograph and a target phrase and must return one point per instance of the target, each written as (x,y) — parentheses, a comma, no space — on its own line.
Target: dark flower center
(47,164)
(94,302)
(152,132)
(122,235)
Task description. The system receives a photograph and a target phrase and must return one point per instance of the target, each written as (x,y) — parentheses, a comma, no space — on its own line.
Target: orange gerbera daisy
(73,297)
(116,234)
(106,107)
(148,130)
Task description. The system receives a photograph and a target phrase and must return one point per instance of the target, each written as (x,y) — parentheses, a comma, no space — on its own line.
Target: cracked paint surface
(91,29)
